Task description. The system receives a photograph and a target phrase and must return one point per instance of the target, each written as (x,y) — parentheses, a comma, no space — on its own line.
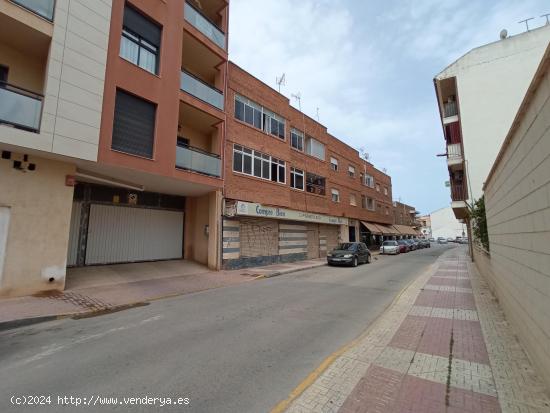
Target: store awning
(405,230)
(387,230)
(373,228)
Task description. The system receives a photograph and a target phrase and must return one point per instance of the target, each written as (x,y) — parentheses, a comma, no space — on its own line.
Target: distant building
(425,226)
(404,214)
(444,224)
(478,96)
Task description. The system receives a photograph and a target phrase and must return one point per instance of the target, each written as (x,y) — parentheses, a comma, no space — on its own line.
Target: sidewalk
(443,346)
(99,299)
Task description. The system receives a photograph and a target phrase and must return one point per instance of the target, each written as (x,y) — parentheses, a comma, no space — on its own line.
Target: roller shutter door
(329,237)
(118,234)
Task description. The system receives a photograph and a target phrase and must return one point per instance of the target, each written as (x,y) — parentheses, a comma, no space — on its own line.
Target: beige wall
(196,217)
(518,216)
(40,210)
(25,70)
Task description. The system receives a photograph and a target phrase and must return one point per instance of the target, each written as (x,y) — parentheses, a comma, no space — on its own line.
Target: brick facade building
(292,190)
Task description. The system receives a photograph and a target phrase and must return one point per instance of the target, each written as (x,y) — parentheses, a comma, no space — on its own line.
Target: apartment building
(425,224)
(292,190)
(478,96)
(112,125)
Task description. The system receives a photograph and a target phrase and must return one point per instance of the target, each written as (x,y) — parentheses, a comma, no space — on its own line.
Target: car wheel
(369,259)
(355,261)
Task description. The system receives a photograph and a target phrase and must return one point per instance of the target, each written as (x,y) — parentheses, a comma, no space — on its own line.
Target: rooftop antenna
(298,97)
(385,170)
(318,120)
(526,21)
(547,19)
(281,81)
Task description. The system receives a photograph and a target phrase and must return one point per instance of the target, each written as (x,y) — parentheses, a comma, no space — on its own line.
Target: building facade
(478,96)
(425,226)
(517,202)
(292,190)
(112,128)
(444,224)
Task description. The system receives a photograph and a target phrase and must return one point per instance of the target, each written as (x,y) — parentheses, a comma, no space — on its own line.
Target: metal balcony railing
(454,151)
(458,191)
(19,107)
(44,8)
(450,109)
(201,90)
(204,25)
(197,160)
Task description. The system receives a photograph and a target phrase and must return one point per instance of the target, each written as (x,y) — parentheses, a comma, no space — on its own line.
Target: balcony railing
(44,8)
(197,160)
(454,151)
(450,109)
(201,90)
(20,108)
(204,25)
(458,191)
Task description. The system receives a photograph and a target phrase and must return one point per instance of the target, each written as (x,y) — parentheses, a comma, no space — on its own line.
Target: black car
(349,253)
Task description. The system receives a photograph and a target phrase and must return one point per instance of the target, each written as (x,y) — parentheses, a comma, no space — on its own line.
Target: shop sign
(252,209)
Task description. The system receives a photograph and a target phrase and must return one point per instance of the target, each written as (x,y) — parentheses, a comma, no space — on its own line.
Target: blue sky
(368,65)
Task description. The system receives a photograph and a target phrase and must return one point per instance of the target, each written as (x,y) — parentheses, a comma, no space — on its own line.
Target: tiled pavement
(443,346)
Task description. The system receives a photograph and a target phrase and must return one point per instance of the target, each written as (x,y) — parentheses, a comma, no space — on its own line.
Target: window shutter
(142,26)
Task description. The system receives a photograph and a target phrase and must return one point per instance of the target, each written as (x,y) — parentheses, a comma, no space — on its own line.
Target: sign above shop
(252,209)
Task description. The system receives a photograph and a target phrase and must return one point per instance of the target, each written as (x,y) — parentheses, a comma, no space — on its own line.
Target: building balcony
(454,155)
(197,160)
(20,108)
(459,196)
(201,90)
(42,8)
(204,25)
(450,109)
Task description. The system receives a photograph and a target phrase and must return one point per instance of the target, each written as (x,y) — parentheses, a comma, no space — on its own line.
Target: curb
(23,322)
(289,271)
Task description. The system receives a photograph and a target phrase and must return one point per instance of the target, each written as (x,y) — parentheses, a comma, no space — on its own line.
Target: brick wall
(518,215)
(252,189)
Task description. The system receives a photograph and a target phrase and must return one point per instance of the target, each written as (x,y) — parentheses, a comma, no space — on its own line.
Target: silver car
(389,247)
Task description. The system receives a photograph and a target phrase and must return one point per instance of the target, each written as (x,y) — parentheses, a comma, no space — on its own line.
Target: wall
(518,218)
(25,70)
(40,210)
(491,82)
(444,224)
(195,240)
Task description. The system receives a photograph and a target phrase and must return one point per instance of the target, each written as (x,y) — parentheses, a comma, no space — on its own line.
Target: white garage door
(119,234)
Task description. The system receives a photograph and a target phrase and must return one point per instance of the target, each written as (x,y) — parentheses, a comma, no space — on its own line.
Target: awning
(386,230)
(405,230)
(373,228)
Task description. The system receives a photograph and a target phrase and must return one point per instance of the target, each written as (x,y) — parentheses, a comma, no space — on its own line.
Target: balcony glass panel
(194,159)
(454,151)
(19,108)
(203,25)
(451,109)
(43,8)
(201,90)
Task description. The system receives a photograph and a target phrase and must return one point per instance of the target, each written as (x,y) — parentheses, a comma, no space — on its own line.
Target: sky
(368,66)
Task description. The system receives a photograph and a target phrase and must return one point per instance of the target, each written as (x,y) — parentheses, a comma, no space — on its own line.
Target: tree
(479,222)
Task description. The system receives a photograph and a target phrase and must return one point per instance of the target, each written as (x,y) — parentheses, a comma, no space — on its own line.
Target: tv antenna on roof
(318,120)
(281,81)
(526,21)
(547,19)
(298,97)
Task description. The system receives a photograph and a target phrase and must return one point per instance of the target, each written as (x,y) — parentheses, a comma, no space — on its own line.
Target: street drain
(79,300)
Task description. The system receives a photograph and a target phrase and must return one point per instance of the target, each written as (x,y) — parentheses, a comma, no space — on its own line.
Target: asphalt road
(236,349)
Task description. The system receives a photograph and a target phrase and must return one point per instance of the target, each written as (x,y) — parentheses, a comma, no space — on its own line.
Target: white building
(444,224)
(478,97)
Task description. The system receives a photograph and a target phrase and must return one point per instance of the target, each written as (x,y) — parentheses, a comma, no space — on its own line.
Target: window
(259,117)
(3,74)
(353,200)
(377,187)
(315,184)
(297,139)
(387,211)
(334,164)
(133,125)
(315,148)
(335,195)
(369,181)
(385,191)
(370,204)
(297,179)
(254,163)
(351,171)
(140,42)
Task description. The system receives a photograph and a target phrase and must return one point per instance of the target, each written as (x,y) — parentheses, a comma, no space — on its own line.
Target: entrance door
(313,241)
(118,234)
(4,225)
(352,234)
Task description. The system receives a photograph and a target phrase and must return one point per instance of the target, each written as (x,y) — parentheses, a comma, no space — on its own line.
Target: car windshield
(347,246)
(402,242)
(389,243)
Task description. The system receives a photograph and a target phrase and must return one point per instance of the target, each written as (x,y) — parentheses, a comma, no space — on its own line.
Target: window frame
(353,200)
(300,137)
(140,42)
(334,164)
(255,157)
(297,172)
(257,112)
(317,189)
(335,192)
(372,202)
(351,171)
(368,180)
(312,139)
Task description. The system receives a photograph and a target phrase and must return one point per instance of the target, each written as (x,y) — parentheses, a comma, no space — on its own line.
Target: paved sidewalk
(99,299)
(443,346)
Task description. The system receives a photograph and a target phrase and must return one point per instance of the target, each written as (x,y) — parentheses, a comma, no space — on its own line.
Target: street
(242,348)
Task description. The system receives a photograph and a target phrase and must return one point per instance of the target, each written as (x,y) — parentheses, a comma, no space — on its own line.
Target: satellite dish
(503,34)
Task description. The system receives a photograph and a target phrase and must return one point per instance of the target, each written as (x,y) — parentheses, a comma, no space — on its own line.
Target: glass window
(385,191)
(351,171)
(297,179)
(334,164)
(335,195)
(377,187)
(370,204)
(259,117)
(315,148)
(369,181)
(239,110)
(257,164)
(315,184)
(297,139)
(352,200)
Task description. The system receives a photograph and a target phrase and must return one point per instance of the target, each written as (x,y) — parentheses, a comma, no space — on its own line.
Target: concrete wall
(444,224)
(491,82)
(518,217)
(38,233)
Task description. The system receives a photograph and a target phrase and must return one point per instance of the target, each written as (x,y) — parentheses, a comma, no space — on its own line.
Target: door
(74,233)
(313,250)
(4,226)
(352,234)
(118,234)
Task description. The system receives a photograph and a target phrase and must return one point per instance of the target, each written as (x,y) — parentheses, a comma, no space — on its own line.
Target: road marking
(315,374)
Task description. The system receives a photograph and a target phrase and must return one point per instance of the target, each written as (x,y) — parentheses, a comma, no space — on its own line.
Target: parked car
(403,246)
(389,247)
(442,240)
(464,241)
(349,253)
(419,246)
(412,244)
(432,240)
(425,243)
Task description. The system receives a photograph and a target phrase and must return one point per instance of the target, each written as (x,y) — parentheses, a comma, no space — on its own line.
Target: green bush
(479,223)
